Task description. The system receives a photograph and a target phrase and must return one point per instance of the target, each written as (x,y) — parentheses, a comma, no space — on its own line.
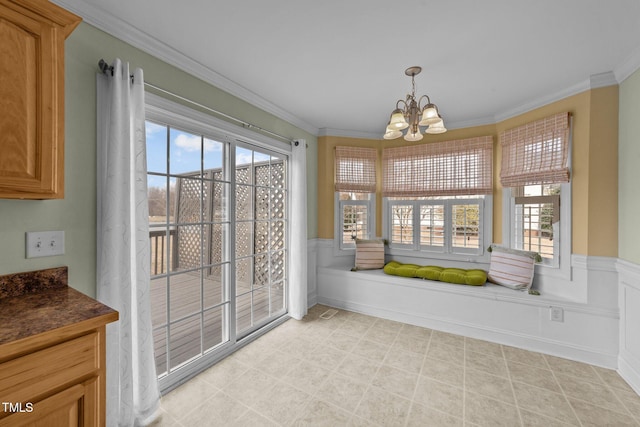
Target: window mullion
(416,225)
(448,225)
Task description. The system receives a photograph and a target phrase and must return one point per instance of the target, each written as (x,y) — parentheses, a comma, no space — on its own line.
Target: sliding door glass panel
(261,220)
(189,187)
(184,340)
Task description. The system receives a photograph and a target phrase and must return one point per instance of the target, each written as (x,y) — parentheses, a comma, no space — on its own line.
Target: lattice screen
(260,220)
(189,237)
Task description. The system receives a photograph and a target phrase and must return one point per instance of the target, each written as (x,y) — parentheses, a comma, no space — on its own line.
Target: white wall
(629,229)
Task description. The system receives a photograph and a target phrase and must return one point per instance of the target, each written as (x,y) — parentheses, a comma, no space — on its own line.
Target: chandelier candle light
(413,115)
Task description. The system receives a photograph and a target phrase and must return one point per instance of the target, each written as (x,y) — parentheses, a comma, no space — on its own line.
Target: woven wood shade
(536,153)
(356,169)
(458,167)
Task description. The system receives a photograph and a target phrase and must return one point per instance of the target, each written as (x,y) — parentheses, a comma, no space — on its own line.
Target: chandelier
(412,115)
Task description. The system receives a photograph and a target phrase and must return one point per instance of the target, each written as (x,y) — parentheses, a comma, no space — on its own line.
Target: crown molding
(483,121)
(602,80)
(542,101)
(136,38)
(627,67)
(593,82)
(348,133)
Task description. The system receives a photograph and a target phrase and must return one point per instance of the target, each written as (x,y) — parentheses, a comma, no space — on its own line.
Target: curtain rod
(104,68)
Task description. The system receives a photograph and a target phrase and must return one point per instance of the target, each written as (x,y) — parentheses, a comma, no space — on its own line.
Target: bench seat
(491,312)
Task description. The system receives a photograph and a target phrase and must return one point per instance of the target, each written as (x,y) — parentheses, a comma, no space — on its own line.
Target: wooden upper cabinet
(32,35)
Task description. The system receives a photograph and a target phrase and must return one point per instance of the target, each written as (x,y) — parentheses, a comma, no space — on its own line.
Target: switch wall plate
(44,243)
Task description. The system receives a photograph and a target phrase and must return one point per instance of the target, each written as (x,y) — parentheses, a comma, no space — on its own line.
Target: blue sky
(185,152)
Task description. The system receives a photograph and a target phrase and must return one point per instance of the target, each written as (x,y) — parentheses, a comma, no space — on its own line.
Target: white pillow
(369,254)
(512,268)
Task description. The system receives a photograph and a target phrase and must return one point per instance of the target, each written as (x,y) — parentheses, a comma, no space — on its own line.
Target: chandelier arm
(420,107)
(403,103)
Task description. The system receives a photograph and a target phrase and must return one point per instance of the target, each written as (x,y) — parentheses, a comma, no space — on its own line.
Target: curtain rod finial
(104,67)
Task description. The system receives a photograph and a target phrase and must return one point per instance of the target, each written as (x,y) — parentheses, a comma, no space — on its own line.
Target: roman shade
(449,168)
(355,169)
(536,153)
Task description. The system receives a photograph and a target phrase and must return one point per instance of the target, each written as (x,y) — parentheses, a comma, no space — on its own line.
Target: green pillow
(429,272)
(464,277)
(404,270)
(473,277)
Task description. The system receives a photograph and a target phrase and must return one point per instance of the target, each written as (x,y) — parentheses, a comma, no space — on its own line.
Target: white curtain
(298,269)
(133,395)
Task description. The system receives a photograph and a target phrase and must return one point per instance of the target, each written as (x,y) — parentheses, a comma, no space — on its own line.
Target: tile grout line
(612,391)
(412,401)
(562,391)
(513,390)
(464,382)
(360,339)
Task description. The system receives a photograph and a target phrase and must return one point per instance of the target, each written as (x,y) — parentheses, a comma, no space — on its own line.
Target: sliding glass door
(218,236)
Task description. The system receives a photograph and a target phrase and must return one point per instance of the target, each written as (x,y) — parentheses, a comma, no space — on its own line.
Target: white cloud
(152,129)
(192,143)
(210,146)
(188,142)
(243,158)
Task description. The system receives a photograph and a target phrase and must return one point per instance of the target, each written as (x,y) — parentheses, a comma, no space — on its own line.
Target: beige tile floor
(357,370)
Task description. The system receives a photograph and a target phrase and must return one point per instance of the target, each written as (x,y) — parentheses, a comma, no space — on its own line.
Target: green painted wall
(629,170)
(76,213)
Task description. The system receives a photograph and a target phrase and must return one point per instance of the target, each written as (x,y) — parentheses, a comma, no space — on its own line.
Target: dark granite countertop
(27,309)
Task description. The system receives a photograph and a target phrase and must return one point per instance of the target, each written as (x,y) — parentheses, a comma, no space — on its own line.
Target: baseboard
(628,370)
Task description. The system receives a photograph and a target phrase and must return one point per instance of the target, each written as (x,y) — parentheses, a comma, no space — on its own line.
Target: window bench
(494,313)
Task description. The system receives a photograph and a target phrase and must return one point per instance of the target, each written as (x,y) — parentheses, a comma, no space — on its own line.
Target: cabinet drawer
(30,377)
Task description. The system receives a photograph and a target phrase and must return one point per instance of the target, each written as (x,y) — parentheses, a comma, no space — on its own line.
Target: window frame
(448,253)
(342,249)
(560,267)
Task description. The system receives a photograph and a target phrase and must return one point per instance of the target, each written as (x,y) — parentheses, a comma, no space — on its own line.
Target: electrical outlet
(44,243)
(557,314)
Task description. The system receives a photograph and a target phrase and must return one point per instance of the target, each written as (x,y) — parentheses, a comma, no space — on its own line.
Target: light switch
(44,243)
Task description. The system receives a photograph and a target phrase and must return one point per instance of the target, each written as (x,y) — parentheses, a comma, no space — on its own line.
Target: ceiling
(337,66)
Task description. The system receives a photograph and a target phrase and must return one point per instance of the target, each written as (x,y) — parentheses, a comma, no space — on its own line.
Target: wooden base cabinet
(32,35)
(60,384)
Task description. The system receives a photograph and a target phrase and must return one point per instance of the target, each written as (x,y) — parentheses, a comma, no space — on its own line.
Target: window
(355,185)
(442,225)
(219,222)
(356,217)
(536,215)
(537,195)
(438,198)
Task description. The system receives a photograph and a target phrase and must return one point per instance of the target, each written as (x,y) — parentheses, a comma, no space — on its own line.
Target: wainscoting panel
(629,297)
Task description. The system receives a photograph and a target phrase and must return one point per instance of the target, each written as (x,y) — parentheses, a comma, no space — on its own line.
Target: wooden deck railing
(159,243)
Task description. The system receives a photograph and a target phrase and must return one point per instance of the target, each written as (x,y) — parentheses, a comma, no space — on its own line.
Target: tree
(158,201)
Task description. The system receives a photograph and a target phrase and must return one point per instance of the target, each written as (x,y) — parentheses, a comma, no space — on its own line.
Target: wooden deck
(200,330)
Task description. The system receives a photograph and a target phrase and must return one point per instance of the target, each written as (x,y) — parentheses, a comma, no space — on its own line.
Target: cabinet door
(64,409)
(32,100)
